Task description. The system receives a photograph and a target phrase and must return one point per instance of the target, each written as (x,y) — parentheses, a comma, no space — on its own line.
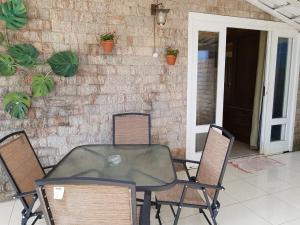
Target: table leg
(146,210)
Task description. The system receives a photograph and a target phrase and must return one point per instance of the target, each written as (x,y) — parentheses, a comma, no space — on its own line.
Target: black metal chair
(131,128)
(203,190)
(88,201)
(23,168)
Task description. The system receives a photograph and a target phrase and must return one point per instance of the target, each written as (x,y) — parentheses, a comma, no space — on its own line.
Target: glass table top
(149,166)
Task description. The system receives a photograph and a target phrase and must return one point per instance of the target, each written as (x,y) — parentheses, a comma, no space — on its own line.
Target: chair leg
(157,216)
(215,222)
(177,215)
(173,211)
(24,217)
(35,220)
(205,216)
(24,220)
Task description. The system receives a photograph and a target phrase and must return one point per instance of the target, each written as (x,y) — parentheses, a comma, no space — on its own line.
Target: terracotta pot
(171,59)
(107,46)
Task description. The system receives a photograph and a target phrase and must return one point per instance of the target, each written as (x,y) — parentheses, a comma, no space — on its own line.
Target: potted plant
(171,55)
(107,42)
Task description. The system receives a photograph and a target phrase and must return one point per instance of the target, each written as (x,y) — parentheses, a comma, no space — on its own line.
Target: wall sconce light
(160,18)
(160,13)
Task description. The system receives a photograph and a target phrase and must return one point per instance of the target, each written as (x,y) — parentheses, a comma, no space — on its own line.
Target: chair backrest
(131,128)
(88,201)
(214,158)
(21,163)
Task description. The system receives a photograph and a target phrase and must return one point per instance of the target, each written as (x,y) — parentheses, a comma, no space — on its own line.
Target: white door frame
(212,21)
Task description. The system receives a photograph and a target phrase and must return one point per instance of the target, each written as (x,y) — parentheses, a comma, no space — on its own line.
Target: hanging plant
(14,13)
(17,104)
(42,85)
(7,65)
(24,54)
(64,63)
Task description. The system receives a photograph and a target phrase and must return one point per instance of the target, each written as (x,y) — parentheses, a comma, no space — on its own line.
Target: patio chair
(131,128)
(87,201)
(203,190)
(23,167)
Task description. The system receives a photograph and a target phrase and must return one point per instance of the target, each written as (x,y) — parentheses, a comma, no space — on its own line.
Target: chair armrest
(197,185)
(24,194)
(183,162)
(177,160)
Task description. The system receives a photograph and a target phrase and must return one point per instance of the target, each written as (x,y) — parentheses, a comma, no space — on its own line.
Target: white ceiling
(286,10)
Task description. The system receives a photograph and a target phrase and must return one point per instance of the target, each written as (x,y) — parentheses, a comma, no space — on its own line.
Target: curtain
(257,106)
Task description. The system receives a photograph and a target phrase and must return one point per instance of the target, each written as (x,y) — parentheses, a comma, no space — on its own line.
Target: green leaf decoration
(17,104)
(7,65)
(14,13)
(24,54)
(2,38)
(64,63)
(42,85)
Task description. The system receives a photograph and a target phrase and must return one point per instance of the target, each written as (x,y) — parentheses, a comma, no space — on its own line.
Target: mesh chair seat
(88,202)
(131,128)
(173,194)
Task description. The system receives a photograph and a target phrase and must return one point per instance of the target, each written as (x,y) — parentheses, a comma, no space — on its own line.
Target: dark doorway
(242,56)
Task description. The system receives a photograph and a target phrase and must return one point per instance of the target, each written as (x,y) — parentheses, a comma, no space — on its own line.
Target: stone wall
(80,110)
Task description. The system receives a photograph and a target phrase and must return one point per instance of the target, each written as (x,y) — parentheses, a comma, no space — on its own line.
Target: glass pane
(200,141)
(281,79)
(278,133)
(146,165)
(207,77)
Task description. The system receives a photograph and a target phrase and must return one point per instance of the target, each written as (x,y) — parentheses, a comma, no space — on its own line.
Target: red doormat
(253,164)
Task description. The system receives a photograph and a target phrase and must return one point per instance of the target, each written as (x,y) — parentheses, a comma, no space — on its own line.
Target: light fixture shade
(161,16)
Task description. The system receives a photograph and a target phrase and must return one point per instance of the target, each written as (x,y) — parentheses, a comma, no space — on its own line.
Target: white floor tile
(6,209)
(290,196)
(268,183)
(243,191)
(239,215)
(273,209)
(293,222)
(226,199)
(197,219)
(168,217)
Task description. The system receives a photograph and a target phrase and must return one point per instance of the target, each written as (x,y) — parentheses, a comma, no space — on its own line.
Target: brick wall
(80,110)
(297,124)
(206,91)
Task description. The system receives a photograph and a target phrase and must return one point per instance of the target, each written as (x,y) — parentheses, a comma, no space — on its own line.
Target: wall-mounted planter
(107,41)
(171,59)
(171,55)
(107,46)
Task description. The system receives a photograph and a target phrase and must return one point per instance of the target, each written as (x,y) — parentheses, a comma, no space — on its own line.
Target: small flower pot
(171,59)
(107,46)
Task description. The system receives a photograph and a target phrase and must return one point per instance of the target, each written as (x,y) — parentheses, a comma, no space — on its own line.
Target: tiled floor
(270,197)
(241,149)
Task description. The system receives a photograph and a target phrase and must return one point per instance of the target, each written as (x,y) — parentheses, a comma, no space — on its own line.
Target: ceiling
(287,11)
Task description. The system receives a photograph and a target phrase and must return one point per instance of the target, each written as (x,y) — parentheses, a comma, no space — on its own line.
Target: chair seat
(173,194)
